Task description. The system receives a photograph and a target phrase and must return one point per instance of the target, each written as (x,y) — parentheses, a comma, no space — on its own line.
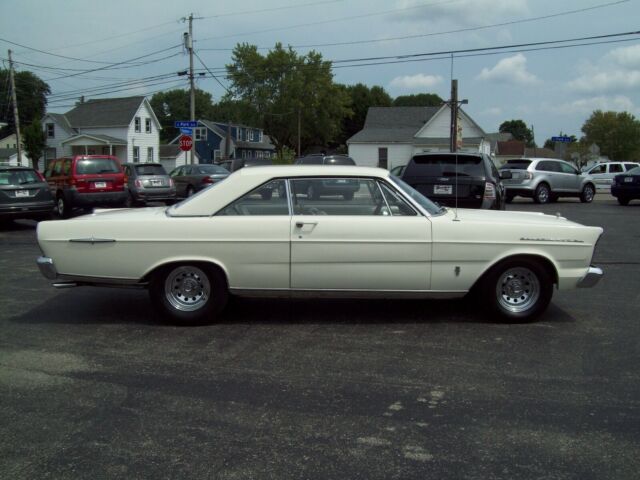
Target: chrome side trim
(92,240)
(593,276)
(325,293)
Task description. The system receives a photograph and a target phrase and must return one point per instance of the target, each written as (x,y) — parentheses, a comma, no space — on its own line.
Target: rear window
(340,161)
(18,177)
(150,170)
(516,165)
(634,171)
(445,166)
(90,166)
(211,169)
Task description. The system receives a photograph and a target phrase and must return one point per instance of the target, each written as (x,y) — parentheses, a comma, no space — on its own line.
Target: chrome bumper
(47,268)
(592,277)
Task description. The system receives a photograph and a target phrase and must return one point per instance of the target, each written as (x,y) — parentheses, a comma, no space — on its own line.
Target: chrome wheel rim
(588,194)
(60,205)
(518,290)
(543,195)
(187,288)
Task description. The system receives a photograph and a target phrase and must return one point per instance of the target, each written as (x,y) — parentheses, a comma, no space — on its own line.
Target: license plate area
(100,184)
(628,179)
(442,189)
(22,193)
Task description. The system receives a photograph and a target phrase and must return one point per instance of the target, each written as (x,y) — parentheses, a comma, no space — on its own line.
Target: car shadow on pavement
(87,305)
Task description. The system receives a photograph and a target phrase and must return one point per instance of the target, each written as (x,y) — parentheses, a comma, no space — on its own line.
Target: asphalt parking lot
(92,387)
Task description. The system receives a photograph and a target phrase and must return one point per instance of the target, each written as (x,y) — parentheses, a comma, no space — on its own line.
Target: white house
(392,135)
(124,127)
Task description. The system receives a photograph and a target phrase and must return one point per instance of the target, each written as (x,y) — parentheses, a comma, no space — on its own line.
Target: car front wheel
(189,293)
(517,290)
(588,192)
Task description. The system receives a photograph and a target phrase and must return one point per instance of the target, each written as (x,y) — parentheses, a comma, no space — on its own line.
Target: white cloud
(617,70)
(512,70)
(416,82)
(461,12)
(585,106)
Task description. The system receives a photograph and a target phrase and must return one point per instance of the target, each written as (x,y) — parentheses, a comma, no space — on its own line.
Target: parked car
(148,182)
(190,179)
(398,171)
(86,181)
(24,193)
(546,179)
(603,173)
(388,241)
(315,190)
(465,180)
(234,164)
(626,186)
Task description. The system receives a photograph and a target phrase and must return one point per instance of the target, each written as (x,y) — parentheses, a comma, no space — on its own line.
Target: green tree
(616,133)
(176,105)
(31,93)
(418,100)
(361,98)
(34,141)
(286,90)
(519,130)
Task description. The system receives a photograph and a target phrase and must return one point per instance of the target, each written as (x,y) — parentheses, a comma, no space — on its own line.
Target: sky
(424,44)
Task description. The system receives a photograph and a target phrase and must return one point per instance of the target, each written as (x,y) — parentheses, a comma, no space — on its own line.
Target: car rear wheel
(517,290)
(189,293)
(542,194)
(588,192)
(62,207)
(623,201)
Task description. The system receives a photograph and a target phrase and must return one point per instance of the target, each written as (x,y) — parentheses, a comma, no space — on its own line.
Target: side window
(629,166)
(395,203)
(543,167)
(598,169)
(268,199)
(615,168)
(337,196)
(566,168)
(57,168)
(175,172)
(66,167)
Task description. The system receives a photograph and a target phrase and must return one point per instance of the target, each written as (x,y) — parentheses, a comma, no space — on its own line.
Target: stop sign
(186,142)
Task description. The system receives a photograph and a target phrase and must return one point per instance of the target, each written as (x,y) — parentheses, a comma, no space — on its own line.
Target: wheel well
(543,261)
(545,183)
(203,263)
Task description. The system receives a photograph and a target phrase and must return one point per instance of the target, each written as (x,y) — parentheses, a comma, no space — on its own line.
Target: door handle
(302,224)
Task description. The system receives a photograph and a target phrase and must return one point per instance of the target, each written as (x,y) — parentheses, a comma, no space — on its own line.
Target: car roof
(244,180)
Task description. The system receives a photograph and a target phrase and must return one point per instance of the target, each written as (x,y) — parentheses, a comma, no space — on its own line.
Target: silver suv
(546,179)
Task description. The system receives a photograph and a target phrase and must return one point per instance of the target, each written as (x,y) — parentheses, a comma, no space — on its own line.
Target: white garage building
(392,135)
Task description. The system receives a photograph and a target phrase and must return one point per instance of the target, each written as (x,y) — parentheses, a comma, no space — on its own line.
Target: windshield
(88,166)
(150,170)
(212,169)
(416,196)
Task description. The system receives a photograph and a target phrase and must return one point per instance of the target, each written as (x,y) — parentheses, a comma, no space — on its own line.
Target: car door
(570,178)
(178,179)
(599,174)
(371,242)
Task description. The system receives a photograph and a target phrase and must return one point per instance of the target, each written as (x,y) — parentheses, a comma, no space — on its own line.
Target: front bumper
(593,276)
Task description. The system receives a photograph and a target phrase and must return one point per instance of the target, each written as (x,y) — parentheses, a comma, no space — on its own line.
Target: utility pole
(188,44)
(453,146)
(16,117)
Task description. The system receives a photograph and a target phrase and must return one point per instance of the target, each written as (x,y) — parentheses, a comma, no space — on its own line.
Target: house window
(260,137)
(251,135)
(147,125)
(383,156)
(200,134)
(136,154)
(150,154)
(137,124)
(51,130)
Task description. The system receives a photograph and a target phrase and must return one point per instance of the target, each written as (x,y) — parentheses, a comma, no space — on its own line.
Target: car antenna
(455,211)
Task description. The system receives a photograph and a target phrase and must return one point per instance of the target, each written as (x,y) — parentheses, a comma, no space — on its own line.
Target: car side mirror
(505,175)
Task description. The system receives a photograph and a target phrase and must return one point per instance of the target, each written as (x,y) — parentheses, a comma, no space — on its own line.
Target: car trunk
(98,175)
(22,187)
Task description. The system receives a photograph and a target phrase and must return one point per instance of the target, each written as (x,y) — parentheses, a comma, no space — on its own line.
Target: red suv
(86,181)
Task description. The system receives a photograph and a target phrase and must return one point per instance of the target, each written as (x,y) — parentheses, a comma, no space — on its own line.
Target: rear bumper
(520,190)
(97,199)
(47,268)
(625,192)
(593,276)
(27,210)
(153,196)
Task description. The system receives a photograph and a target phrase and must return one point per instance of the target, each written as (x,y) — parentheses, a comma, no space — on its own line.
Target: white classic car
(387,240)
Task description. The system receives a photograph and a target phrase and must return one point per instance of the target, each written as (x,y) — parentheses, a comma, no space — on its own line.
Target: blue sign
(563,139)
(185,124)
(186,131)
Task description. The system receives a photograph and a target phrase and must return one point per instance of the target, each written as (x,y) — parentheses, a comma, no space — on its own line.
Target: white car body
(604,173)
(426,254)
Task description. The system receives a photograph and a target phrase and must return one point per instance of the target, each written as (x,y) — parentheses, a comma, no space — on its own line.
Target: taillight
(528,175)
(489,191)
(208,180)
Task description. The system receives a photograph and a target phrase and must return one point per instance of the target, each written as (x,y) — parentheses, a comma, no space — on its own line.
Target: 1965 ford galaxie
(386,241)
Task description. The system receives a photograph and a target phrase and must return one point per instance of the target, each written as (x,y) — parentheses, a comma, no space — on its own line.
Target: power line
(111,85)
(210,73)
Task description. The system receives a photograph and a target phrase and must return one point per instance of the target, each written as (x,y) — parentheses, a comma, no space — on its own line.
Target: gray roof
(393,124)
(61,120)
(212,126)
(105,138)
(108,112)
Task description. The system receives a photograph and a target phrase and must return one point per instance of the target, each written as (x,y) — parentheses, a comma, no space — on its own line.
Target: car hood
(507,217)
